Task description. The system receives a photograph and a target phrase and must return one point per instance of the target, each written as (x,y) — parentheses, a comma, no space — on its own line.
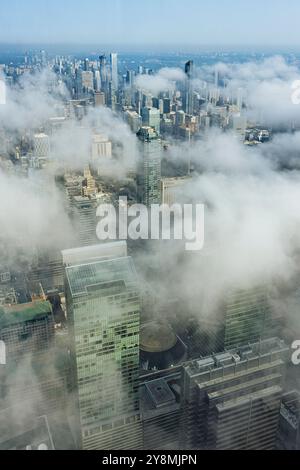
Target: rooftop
(157,337)
(18,313)
(104,275)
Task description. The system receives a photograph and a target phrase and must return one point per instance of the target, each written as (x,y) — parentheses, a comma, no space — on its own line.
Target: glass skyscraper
(103,306)
(150,166)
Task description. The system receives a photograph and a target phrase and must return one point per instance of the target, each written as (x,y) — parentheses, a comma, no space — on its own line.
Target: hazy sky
(151,22)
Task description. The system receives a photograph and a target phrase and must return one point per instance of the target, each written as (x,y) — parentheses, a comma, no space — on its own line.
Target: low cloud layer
(164,80)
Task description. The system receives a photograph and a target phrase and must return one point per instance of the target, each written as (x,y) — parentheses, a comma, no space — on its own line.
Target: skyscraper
(248,317)
(151,118)
(36,376)
(26,329)
(101,148)
(41,146)
(104,311)
(188,99)
(150,166)
(114,70)
(160,408)
(84,219)
(232,400)
(289,425)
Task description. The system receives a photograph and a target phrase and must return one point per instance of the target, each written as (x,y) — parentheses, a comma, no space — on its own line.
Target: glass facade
(104,307)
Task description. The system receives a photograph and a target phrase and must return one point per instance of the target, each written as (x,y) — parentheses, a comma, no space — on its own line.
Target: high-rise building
(97,81)
(166,105)
(101,147)
(114,70)
(84,218)
(189,89)
(103,306)
(248,317)
(150,166)
(232,400)
(134,120)
(151,118)
(160,409)
(41,144)
(36,374)
(87,80)
(289,424)
(103,72)
(26,329)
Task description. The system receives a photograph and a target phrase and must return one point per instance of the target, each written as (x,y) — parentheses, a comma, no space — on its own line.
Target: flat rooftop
(24,312)
(98,275)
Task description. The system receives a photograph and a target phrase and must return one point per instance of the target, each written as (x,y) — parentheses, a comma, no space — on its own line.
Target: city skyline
(115,332)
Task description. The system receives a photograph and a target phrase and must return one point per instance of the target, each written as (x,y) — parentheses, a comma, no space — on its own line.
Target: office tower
(114,70)
(103,306)
(47,270)
(36,373)
(101,148)
(188,98)
(78,84)
(166,106)
(41,143)
(84,219)
(134,120)
(111,96)
(99,99)
(26,329)
(189,69)
(103,72)
(155,102)
(146,100)
(248,317)
(289,423)
(149,174)
(87,80)
(151,118)
(232,400)
(130,75)
(160,395)
(86,65)
(97,81)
